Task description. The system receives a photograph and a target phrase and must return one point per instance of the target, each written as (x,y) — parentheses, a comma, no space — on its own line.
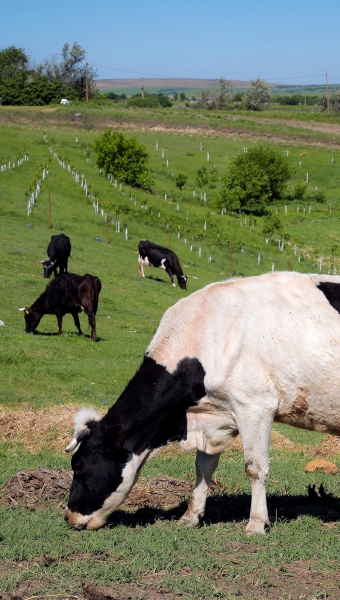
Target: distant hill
(104,84)
(166,85)
(193,87)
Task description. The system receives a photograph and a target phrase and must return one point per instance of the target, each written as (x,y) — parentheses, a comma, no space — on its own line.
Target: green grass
(45,370)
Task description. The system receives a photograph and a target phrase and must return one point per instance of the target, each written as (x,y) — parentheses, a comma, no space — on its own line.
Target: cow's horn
(191,277)
(81,429)
(42,262)
(77,439)
(22,309)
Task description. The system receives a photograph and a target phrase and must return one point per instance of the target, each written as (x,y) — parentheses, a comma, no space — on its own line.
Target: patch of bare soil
(36,488)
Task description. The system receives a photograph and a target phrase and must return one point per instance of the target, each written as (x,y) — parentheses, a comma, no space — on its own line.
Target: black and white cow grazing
(58,251)
(229,359)
(66,294)
(151,254)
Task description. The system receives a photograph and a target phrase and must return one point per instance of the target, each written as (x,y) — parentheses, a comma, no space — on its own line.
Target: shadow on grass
(156,279)
(65,334)
(236,508)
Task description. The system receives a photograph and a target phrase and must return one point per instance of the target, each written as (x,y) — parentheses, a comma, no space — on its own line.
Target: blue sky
(294,41)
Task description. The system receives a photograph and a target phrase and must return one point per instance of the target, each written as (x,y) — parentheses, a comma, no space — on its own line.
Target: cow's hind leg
(76,321)
(205,467)
(92,324)
(255,433)
(140,267)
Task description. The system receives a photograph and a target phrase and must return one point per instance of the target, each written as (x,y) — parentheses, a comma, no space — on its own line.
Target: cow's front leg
(169,272)
(205,467)
(255,433)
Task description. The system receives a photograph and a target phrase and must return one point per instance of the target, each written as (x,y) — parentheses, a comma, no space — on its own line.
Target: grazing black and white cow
(229,359)
(58,251)
(151,254)
(66,294)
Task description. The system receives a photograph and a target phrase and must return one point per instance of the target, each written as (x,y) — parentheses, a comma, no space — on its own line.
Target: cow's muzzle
(81,522)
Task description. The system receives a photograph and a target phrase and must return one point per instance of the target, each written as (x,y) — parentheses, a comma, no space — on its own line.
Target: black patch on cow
(96,473)
(152,408)
(149,413)
(332,293)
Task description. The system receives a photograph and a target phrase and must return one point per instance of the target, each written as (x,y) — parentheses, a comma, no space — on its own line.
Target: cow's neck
(152,408)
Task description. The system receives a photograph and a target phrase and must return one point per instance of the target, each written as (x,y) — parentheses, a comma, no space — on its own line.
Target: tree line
(64,76)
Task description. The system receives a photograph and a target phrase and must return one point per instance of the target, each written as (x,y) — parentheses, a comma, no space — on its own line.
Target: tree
(272,225)
(223,93)
(72,70)
(12,61)
(124,158)
(255,178)
(180,180)
(204,99)
(257,96)
(205,179)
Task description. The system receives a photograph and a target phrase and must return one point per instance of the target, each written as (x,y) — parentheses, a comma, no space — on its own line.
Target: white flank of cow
(270,347)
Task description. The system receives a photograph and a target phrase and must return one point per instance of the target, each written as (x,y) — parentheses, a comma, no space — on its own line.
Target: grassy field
(144,553)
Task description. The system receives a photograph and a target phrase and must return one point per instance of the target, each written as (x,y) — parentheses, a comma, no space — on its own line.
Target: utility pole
(142,86)
(327,91)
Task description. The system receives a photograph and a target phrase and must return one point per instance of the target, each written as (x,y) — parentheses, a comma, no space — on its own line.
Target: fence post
(49,211)
(231,259)
(107,225)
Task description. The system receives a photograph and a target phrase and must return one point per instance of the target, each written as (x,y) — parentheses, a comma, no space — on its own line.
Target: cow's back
(278,327)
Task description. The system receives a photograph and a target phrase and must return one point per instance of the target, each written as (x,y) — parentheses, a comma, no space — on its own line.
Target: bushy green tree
(124,158)
(12,61)
(272,225)
(180,180)
(28,88)
(254,179)
(257,96)
(206,179)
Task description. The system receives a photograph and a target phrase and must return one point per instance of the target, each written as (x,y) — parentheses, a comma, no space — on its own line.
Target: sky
(285,42)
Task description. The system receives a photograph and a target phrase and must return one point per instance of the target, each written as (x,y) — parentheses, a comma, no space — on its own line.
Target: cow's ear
(114,438)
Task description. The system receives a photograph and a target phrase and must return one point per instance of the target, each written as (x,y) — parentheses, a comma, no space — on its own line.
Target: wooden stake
(169,237)
(107,226)
(231,259)
(49,211)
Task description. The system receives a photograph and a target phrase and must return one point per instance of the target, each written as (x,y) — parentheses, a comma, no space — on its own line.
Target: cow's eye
(77,469)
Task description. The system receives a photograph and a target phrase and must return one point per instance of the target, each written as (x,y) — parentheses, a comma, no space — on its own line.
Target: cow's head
(32,319)
(104,472)
(182,281)
(48,267)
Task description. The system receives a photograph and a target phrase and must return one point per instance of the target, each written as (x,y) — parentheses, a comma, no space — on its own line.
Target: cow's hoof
(189,520)
(256,528)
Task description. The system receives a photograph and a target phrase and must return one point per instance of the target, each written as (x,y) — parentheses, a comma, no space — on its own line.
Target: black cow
(151,254)
(58,251)
(66,294)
